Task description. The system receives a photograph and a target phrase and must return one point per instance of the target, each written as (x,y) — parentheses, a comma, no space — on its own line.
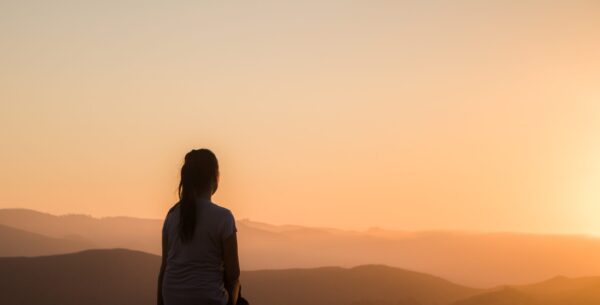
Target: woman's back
(194,272)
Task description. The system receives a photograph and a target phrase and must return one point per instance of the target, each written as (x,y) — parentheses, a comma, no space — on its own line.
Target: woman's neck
(204,196)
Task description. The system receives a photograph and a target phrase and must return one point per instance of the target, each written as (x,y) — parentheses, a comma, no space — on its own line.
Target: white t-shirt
(195,271)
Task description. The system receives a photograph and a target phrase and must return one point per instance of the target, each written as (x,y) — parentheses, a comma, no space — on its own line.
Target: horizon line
(326,228)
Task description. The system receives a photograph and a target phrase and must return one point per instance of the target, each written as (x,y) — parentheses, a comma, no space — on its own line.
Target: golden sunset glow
(403,115)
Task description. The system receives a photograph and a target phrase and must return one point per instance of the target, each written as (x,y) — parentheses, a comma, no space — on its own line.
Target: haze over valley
(482,260)
(123,277)
(395,152)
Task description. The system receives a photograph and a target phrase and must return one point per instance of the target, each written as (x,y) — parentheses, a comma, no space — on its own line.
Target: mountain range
(482,260)
(120,276)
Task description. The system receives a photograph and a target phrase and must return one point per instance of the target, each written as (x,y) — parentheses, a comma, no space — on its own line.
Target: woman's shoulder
(171,214)
(173,208)
(220,209)
(225,220)
(220,212)
(169,217)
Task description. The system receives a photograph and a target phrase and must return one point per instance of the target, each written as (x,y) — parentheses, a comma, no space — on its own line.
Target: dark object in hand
(241,300)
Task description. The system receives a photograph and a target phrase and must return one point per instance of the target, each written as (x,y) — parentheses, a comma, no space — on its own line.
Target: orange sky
(442,115)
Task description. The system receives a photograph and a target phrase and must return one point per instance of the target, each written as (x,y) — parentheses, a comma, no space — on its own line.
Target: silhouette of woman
(199,245)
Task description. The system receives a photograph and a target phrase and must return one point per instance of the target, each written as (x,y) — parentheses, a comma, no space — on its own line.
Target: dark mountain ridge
(15,242)
(473,259)
(120,276)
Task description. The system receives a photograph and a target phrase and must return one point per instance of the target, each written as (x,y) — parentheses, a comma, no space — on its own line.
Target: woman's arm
(163,265)
(232,268)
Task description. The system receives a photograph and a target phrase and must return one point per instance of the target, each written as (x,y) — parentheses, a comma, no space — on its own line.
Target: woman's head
(199,173)
(199,177)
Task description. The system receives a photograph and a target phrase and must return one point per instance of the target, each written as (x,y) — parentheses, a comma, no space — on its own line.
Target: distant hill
(557,291)
(100,277)
(505,296)
(473,259)
(124,277)
(369,284)
(95,277)
(109,232)
(15,242)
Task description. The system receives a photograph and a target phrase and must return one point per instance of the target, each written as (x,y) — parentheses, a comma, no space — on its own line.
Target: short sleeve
(228,228)
(164,227)
(167,223)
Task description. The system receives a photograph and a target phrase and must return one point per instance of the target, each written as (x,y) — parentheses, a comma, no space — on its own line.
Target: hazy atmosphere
(406,115)
(367,152)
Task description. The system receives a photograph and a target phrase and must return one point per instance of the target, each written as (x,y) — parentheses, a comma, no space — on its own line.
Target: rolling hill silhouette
(118,276)
(108,232)
(91,277)
(15,242)
(369,284)
(473,259)
(557,291)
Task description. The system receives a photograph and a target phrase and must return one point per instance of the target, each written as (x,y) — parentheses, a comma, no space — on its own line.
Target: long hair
(199,173)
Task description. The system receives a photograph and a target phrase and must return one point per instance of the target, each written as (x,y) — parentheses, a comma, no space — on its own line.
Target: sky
(408,115)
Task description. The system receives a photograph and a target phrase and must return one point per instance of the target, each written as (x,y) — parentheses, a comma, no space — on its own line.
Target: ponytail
(198,174)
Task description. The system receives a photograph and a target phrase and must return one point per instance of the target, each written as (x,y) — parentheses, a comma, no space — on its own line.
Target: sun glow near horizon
(411,116)
(586,194)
